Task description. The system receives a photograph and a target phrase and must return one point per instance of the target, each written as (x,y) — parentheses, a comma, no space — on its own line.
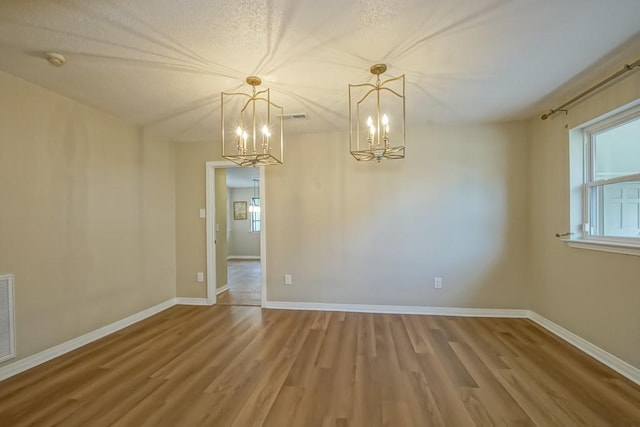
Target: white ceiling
(243,177)
(164,62)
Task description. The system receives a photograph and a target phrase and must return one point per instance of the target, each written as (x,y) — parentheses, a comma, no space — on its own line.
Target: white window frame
(583,229)
(252,217)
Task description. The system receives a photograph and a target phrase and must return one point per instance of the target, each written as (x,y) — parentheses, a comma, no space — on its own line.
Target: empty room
(320,213)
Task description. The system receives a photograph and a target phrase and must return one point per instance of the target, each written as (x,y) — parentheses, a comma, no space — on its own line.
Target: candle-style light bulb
(372,129)
(239,142)
(385,124)
(265,138)
(242,140)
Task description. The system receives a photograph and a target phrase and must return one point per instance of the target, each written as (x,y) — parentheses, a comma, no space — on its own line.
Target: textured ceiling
(164,62)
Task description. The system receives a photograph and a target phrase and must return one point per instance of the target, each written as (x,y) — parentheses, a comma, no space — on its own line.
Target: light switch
(203,213)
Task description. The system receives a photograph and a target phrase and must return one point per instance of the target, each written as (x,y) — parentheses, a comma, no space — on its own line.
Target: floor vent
(7,327)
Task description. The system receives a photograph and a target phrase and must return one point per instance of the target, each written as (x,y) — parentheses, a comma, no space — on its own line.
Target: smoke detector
(55,59)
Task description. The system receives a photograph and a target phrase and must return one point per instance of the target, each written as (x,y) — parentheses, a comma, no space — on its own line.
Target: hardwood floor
(244,366)
(243,279)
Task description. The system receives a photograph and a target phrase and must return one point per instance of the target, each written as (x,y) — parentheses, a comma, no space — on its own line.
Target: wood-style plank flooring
(243,279)
(244,366)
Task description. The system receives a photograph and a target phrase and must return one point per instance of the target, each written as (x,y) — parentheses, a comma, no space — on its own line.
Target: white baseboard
(222,289)
(231,257)
(618,365)
(398,309)
(192,301)
(60,349)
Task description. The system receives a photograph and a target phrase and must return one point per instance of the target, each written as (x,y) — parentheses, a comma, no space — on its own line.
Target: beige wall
(368,233)
(242,242)
(221,227)
(593,294)
(87,218)
(191,239)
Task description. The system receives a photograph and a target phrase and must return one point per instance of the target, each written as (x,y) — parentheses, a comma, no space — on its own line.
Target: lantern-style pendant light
(252,129)
(377,118)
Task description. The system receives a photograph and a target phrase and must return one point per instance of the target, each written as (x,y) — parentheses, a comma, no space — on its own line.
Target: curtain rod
(625,69)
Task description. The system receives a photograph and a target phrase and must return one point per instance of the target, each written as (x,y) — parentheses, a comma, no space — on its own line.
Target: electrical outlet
(437,282)
(200,276)
(288,279)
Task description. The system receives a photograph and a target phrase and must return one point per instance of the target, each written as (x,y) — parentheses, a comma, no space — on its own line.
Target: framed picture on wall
(239,210)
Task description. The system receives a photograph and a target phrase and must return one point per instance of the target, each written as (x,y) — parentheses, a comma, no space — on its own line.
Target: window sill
(605,246)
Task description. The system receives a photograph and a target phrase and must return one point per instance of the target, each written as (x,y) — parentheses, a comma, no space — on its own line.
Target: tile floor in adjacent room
(244,278)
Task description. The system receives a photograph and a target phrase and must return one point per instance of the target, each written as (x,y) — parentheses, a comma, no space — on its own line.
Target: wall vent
(294,116)
(7,324)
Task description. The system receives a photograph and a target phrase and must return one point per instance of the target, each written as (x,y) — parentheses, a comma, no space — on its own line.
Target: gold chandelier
(253,127)
(373,111)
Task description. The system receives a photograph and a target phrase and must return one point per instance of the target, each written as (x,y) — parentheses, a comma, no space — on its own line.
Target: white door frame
(211,227)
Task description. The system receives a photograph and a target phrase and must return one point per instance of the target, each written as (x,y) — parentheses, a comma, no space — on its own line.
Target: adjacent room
(243,284)
(302,213)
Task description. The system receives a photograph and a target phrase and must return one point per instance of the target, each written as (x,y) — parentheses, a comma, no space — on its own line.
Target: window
(609,181)
(612,184)
(254,209)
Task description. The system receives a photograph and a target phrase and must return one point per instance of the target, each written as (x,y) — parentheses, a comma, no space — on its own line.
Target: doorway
(243,238)
(236,249)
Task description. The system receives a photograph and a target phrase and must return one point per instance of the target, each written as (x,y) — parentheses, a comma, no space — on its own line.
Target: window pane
(617,151)
(255,214)
(615,209)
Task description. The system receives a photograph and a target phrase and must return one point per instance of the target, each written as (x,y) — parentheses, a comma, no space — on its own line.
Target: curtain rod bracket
(567,234)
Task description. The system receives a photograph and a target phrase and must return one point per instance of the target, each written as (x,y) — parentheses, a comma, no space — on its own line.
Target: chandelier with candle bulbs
(373,110)
(252,135)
